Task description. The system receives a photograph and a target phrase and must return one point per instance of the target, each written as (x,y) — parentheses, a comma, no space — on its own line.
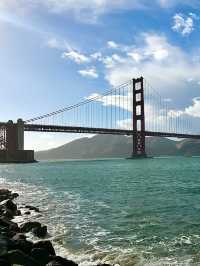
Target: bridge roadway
(69,129)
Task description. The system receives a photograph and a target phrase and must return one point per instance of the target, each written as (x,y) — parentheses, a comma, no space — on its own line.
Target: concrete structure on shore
(12,144)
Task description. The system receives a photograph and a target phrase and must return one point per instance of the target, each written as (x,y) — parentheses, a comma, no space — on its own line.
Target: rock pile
(15,249)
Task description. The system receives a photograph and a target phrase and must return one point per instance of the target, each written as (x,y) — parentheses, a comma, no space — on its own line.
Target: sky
(54,53)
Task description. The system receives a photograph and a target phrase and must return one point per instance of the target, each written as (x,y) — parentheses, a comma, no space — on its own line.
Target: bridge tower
(138,119)
(12,143)
(15,136)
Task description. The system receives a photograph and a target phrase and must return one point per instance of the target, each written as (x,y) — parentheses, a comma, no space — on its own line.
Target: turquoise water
(126,212)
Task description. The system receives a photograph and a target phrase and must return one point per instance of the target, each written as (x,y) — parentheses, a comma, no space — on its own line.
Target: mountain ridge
(107,146)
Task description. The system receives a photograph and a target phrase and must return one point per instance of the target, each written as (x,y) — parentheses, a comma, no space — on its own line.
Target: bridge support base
(20,156)
(138,156)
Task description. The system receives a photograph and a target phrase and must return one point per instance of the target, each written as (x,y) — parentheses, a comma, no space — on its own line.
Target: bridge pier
(13,139)
(138,119)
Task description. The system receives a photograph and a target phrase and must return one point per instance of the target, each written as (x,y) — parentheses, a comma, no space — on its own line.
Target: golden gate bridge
(133,109)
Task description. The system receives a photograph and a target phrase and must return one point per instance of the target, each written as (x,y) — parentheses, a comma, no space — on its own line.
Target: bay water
(123,212)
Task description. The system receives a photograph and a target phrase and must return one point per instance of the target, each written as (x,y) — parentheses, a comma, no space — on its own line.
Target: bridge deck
(67,129)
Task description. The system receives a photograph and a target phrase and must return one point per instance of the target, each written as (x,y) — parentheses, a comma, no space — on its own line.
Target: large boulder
(19,236)
(28,226)
(32,208)
(62,261)
(8,204)
(7,194)
(21,244)
(3,245)
(7,214)
(41,255)
(4,194)
(40,231)
(18,257)
(46,244)
(104,264)
(6,223)
(8,209)
(54,263)
(14,195)
(4,262)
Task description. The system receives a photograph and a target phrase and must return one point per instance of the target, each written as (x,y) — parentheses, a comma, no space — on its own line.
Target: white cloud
(53,43)
(88,10)
(156,46)
(125,124)
(58,44)
(194,16)
(189,80)
(84,10)
(96,56)
(90,73)
(183,24)
(92,96)
(194,109)
(16,5)
(116,99)
(167,100)
(112,61)
(165,65)
(112,44)
(108,62)
(137,57)
(172,3)
(118,46)
(76,57)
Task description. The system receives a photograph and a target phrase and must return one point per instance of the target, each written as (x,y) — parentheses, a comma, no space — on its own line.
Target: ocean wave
(56,209)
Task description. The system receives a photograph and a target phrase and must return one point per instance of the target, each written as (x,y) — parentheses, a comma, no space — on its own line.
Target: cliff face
(105,146)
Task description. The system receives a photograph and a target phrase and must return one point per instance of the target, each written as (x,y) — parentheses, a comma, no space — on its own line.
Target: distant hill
(107,146)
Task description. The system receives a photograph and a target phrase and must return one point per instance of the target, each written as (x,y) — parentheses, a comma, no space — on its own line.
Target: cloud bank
(89,10)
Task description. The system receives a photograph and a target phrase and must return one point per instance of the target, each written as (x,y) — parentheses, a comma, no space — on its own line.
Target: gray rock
(3,245)
(54,263)
(32,208)
(18,213)
(14,195)
(18,257)
(4,262)
(21,244)
(63,261)
(7,214)
(104,264)
(40,231)
(28,226)
(8,205)
(4,194)
(41,255)
(19,236)
(46,244)
(5,222)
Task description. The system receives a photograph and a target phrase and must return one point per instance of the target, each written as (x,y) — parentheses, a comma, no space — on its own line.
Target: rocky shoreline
(15,249)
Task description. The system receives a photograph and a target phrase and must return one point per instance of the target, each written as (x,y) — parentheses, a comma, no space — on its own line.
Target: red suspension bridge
(132,109)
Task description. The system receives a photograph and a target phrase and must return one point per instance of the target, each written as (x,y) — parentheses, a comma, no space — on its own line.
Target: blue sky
(53,53)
